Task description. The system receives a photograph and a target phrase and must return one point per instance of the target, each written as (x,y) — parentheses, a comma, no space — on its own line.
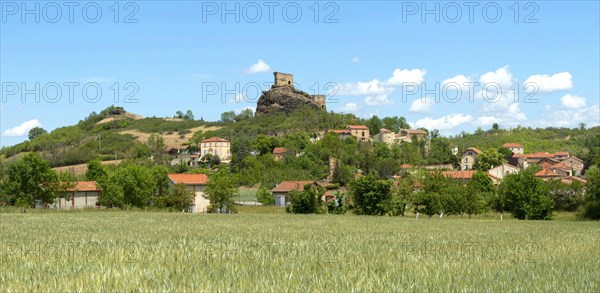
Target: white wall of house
(78,200)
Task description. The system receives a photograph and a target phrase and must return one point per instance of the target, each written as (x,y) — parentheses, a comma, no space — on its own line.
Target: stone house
(407,135)
(468,158)
(515,148)
(502,171)
(385,135)
(361,132)
(575,163)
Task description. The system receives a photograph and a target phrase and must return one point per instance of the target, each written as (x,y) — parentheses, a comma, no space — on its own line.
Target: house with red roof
(283,189)
(515,148)
(407,135)
(281,153)
(361,132)
(468,158)
(216,146)
(546,174)
(80,194)
(195,183)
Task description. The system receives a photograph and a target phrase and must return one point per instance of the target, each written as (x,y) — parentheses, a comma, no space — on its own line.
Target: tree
(307,201)
(35,132)
(567,197)
(495,126)
(188,115)
(135,183)
(31,179)
(179,115)
(245,114)
(370,195)
(527,196)
(95,171)
(181,197)
(196,138)
(264,196)
(156,143)
(479,189)
(487,160)
(395,123)
(338,206)
(591,209)
(375,124)
(221,189)
(228,116)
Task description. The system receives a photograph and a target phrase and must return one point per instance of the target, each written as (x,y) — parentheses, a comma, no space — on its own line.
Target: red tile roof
(459,174)
(84,186)
(340,131)
(570,179)
(414,131)
(189,179)
(476,150)
(512,145)
(287,186)
(546,173)
(279,151)
(561,166)
(358,127)
(538,155)
(215,139)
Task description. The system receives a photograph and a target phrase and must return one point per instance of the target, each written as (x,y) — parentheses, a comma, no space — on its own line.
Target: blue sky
(184,55)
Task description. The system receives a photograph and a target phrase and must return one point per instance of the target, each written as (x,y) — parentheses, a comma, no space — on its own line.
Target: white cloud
(238,111)
(355,60)
(350,107)
(259,67)
(22,129)
(557,82)
(502,76)
(421,106)
(373,87)
(444,123)
(459,80)
(572,102)
(557,116)
(406,75)
(378,100)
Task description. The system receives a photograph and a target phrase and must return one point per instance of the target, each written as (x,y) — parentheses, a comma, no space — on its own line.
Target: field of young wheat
(132,251)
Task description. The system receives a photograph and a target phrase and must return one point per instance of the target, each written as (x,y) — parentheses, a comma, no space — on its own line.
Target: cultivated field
(131,251)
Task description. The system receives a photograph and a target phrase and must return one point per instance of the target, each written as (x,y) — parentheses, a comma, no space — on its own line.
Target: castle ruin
(286,79)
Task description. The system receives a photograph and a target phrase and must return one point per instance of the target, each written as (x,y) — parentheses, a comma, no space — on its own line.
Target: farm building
(283,189)
(196,183)
(83,194)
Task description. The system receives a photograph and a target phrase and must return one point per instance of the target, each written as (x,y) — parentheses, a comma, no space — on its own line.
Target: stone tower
(283,79)
(320,100)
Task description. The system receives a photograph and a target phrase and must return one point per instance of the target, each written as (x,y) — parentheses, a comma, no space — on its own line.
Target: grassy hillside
(112,134)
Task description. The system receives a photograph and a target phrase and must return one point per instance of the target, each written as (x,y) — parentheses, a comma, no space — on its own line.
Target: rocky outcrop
(285,99)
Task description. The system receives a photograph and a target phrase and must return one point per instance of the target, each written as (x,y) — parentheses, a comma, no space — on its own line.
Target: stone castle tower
(285,79)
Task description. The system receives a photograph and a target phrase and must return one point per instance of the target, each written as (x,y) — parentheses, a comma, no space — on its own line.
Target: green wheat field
(142,251)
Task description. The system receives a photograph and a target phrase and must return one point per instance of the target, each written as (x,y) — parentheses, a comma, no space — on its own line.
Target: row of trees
(521,194)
